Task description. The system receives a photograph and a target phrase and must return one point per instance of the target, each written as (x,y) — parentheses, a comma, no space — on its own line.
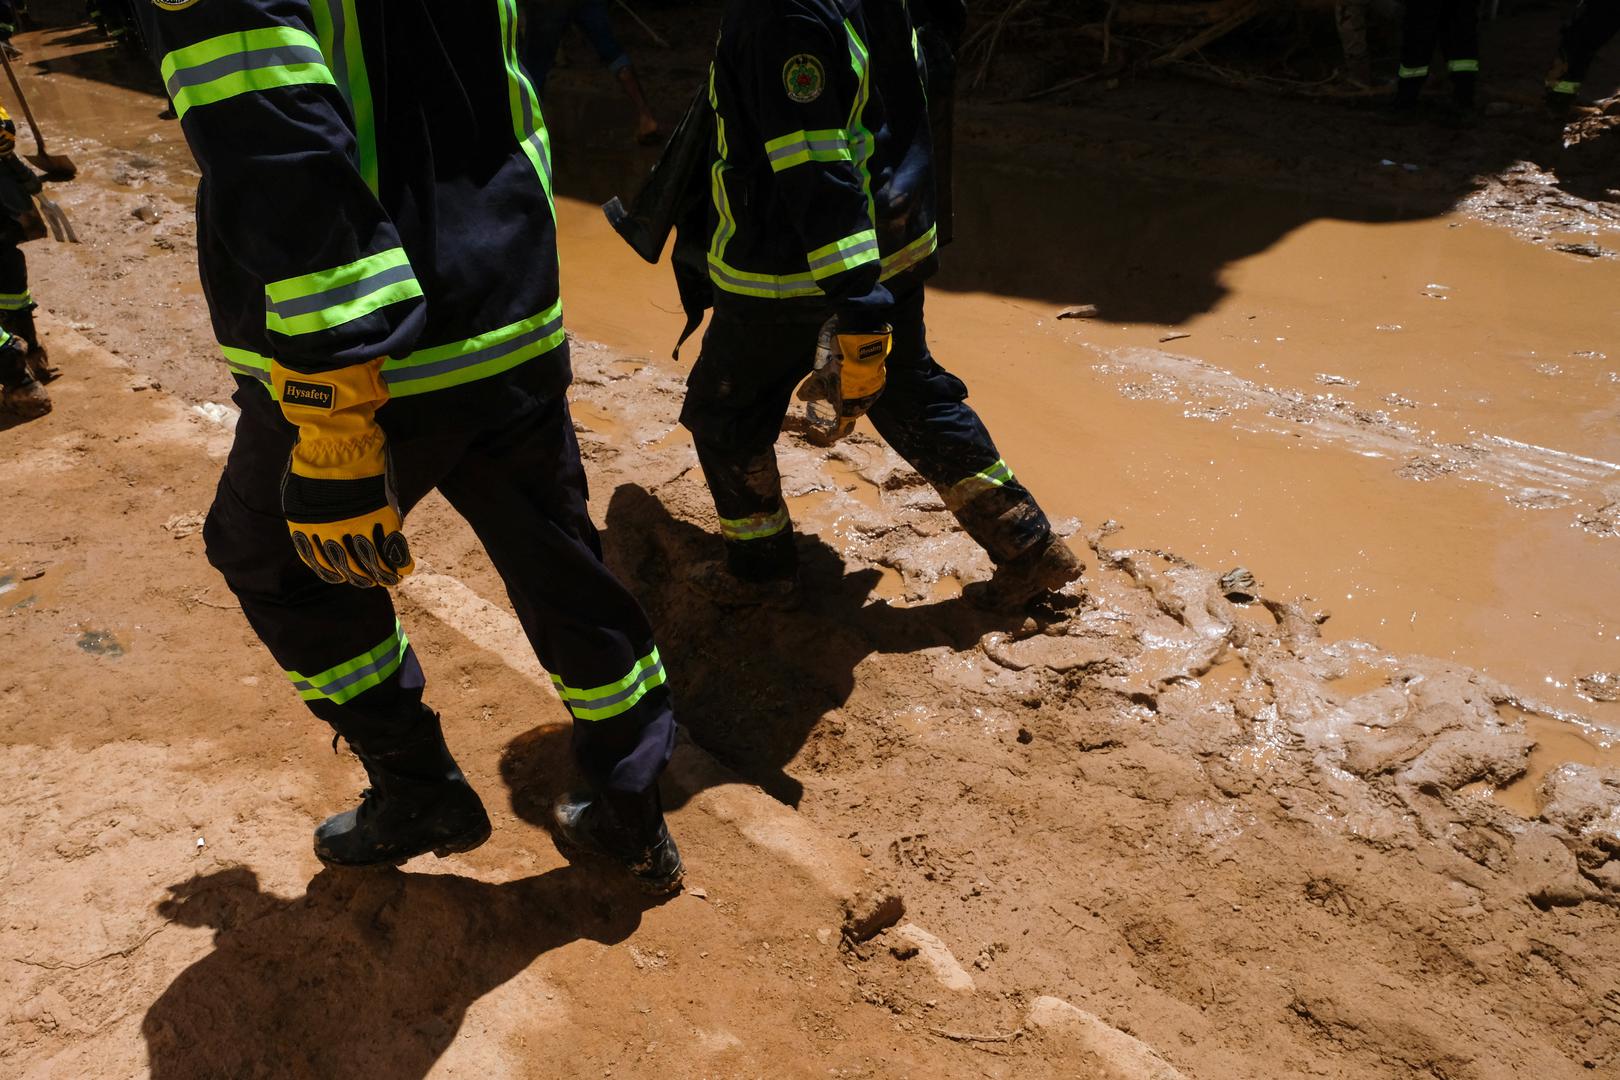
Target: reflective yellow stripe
(802,147)
(617,697)
(912,254)
(1412,72)
(756,526)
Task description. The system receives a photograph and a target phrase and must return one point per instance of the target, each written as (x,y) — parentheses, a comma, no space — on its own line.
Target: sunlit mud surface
(1315,775)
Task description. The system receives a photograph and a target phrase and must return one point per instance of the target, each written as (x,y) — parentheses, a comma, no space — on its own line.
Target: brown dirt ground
(1259,853)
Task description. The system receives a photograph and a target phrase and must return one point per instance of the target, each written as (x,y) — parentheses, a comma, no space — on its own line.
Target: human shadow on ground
(753,684)
(368,973)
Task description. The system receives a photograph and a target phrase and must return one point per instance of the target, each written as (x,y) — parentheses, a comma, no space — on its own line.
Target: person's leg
(923,414)
(342,649)
(1420,31)
(16,302)
(522,487)
(594,22)
(1592,25)
(736,396)
(8,27)
(1461,48)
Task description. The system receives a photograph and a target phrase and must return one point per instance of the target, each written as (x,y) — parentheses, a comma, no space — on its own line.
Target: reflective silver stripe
(808,146)
(850,255)
(236,63)
(342,294)
(472,359)
(790,288)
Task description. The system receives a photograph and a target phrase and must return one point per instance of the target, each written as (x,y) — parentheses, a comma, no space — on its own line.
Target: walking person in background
(1452,26)
(1590,27)
(548,22)
(23,365)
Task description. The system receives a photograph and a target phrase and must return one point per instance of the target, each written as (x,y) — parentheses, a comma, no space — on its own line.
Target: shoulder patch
(174,5)
(803,78)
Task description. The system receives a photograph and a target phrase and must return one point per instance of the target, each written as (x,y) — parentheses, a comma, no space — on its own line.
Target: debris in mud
(1080,311)
(147,213)
(1585,251)
(101,643)
(1602,522)
(181,526)
(1599,686)
(1336,380)
(1176,335)
(1240,586)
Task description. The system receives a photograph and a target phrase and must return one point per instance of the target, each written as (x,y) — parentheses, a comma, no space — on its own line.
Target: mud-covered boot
(1045,568)
(20,324)
(20,393)
(628,830)
(418,802)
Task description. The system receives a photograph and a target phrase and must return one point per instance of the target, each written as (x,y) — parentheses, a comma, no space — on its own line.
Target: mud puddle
(1408,416)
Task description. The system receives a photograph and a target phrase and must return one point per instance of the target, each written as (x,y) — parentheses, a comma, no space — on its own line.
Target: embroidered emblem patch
(804,78)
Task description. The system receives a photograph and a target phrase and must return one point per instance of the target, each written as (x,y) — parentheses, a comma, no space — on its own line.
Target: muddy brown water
(1412,419)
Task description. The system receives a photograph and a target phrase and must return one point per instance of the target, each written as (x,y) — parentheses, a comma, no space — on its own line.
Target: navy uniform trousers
(502,452)
(742,385)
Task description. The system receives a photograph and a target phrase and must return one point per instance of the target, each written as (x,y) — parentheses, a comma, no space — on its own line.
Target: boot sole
(440,849)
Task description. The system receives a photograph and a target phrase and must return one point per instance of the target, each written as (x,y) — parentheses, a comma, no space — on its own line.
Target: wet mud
(1338,816)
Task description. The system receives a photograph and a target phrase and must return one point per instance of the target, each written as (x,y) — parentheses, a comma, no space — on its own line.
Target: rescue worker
(378,248)
(824,230)
(24,366)
(1453,27)
(1592,25)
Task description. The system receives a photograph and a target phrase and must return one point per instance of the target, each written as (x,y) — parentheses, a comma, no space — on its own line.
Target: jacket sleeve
(289,175)
(807,87)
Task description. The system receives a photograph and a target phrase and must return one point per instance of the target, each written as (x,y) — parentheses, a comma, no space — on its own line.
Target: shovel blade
(55,166)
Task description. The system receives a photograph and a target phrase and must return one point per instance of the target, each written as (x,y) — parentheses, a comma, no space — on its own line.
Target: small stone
(1079,311)
(1240,586)
(699,892)
(1599,686)
(824,935)
(1025,737)
(146,213)
(1585,251)
(1174,335)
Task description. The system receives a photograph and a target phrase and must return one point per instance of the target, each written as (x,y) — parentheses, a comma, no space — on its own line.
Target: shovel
(62,230)
(54,166)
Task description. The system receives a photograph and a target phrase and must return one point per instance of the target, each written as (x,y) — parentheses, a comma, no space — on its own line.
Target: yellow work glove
(338,494)
(849,375)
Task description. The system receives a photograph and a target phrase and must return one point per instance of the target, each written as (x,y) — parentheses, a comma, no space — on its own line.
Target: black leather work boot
(628,830)
(418,802)
(1045,568)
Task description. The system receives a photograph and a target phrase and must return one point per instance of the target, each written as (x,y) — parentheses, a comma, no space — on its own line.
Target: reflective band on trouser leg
(243,62)
(1564,86)
(352,678)
(1413,72)
(329,298)
(16,301)
(846,254)
(755,526)
(963,492)
(1462,66)
(615,698)
(802,147)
